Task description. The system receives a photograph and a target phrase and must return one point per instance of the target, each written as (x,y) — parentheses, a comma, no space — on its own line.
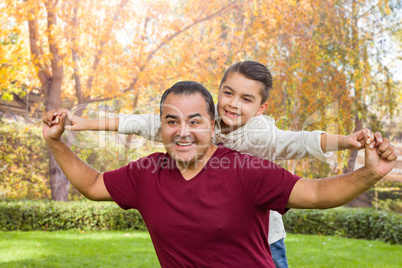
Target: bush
(368,224)
(54,216)
(24,159)
(23,162)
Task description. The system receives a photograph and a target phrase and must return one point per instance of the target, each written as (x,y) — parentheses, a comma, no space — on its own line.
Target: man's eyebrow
(171,116)
(194,115)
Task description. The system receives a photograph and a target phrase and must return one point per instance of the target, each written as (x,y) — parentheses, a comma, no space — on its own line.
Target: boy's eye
(227,93)
(247,99)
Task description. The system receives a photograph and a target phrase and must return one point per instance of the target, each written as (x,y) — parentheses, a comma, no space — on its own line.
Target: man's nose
(184,130)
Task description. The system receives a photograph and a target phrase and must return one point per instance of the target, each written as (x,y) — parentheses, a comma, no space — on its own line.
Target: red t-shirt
(219,218)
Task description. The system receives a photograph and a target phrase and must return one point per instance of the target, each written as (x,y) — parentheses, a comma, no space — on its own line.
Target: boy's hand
(355,141)
(74,123)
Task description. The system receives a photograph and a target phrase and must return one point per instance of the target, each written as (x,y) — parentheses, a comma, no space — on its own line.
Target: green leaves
(352,223)
(54,216)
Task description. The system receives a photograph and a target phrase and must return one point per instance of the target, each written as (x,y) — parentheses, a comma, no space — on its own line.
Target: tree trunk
(353,155)
(59,183)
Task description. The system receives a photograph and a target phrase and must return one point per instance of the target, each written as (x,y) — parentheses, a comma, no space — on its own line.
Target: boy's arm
(352,142)
(78,124)
(145,125)
(261,138)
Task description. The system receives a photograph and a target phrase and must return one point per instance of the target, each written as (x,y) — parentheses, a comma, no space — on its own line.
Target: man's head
(187,88)
(243,93)
(187,118)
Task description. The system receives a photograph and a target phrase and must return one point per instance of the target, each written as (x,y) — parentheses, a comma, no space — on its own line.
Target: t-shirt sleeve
(122,186)
(268,185)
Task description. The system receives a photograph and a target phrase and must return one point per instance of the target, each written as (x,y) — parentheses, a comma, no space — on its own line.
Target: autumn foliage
(328,69)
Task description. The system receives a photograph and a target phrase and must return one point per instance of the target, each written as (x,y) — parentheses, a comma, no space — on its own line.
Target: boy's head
(243,93)
(252,70)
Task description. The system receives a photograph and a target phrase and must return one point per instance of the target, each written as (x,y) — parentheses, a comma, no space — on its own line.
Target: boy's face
(239,100)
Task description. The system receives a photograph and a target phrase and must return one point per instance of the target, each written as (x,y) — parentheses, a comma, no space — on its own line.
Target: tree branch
(102,44)
(78,88)
(36,54)
(169,38)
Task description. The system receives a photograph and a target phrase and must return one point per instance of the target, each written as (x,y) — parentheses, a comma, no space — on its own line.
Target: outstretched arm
(336,191)
(354,141)
(147,126)
(77,123)
(85,178)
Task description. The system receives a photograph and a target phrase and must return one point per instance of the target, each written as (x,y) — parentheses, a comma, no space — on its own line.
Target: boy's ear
(262,109)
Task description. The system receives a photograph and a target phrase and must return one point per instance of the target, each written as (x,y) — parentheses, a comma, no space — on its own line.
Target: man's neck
(190,169)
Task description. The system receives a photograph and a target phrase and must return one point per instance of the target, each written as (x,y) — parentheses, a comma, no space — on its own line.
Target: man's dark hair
(252,70)
(189,88)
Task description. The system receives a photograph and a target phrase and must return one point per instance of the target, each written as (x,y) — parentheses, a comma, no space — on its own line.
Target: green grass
(134,249)
(329,251)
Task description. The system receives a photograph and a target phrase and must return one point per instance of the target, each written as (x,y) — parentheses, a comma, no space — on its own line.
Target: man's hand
(380,159)
(75,123)
(53,131)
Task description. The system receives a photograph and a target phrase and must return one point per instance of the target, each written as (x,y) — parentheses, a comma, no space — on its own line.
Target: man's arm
(336,191)
(85,178)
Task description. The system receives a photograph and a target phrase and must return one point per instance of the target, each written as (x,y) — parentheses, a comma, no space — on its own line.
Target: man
(206,206)
(241,126)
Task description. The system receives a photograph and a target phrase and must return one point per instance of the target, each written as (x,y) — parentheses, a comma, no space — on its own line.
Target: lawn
(134,249)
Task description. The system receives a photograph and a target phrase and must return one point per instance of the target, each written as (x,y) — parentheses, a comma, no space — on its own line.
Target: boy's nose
(234,102)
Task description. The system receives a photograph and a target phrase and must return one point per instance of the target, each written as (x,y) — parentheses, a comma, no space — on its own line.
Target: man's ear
(262,109)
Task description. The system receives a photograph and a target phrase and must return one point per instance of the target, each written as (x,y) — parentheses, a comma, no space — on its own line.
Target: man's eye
(171,122)
(194,122)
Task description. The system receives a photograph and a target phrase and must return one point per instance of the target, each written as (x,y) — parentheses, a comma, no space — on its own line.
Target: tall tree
(109,48)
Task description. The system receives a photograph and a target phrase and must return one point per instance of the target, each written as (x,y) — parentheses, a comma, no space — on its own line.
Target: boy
(240,126)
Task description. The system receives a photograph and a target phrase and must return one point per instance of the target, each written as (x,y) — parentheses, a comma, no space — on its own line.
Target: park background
(336,67)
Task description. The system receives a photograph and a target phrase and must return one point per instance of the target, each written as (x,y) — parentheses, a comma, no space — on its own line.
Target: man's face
(239,100)
(187,128)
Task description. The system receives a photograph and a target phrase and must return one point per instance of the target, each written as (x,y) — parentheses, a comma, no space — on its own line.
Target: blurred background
(336,67)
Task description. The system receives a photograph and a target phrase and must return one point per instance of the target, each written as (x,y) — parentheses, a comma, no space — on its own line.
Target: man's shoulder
(150,162)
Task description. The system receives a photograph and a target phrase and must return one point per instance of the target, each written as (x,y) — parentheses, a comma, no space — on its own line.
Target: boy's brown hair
(255,71)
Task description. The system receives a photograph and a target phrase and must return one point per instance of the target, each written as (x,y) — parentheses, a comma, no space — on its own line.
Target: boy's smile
(239,100)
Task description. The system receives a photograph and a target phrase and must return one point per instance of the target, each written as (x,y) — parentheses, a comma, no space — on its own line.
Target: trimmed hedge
(54,216)
(367,224)
(86,215)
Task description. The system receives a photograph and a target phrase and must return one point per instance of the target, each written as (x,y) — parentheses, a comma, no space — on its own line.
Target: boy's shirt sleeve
(147,126)
(261,138)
